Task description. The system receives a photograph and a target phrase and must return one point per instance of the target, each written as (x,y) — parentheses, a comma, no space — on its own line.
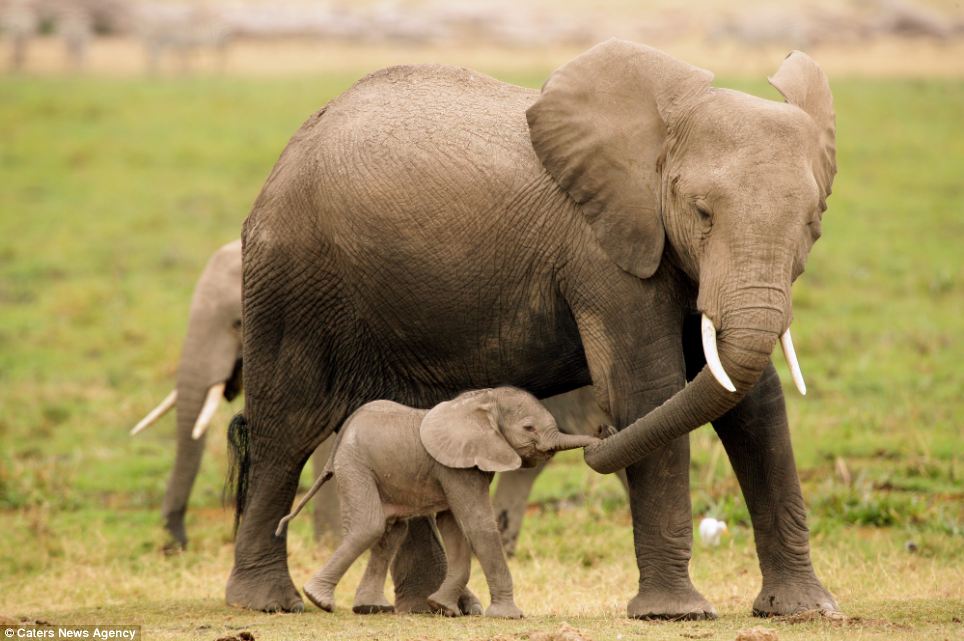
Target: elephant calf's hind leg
(370,595)
(366,525)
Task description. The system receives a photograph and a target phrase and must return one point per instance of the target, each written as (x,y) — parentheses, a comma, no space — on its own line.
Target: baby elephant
(393,462)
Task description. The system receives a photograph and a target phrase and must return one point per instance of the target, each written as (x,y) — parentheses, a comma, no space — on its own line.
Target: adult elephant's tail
(239,469)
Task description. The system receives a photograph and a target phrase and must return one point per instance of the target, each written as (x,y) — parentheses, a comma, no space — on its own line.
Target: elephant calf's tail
(239,469)
(321,480)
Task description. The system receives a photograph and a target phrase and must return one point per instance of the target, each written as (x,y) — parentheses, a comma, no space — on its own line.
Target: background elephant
(433,229)
(210,368)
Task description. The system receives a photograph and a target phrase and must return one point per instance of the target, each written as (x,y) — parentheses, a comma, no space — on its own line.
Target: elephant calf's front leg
(467,492)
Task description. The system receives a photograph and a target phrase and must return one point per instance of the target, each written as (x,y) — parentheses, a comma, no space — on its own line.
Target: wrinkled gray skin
(216,312)
(433,230)
(393,462)
(211,354)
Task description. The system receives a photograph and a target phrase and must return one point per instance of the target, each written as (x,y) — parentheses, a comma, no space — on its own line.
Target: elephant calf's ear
(464,433)
(598,128)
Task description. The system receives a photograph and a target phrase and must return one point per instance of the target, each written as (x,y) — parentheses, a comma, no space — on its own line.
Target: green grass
(113,193)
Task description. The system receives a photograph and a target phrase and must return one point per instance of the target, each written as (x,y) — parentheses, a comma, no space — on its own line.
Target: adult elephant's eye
(703,212)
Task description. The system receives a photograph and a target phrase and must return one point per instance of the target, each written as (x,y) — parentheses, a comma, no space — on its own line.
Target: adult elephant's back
(417,204)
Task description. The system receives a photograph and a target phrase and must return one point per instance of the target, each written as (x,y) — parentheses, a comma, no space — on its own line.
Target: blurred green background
(114,191)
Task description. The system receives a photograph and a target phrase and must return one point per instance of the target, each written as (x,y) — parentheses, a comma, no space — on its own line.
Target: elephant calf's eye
(529,427)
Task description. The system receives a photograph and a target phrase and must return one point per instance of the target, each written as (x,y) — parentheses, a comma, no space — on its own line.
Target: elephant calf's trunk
(557,442)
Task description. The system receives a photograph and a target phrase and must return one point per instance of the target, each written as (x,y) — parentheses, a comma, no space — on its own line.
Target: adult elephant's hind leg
(757,440)
(260,579)
(289,408)
(419,567)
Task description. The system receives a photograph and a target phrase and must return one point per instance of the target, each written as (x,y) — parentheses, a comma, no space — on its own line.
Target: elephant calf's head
(495,430)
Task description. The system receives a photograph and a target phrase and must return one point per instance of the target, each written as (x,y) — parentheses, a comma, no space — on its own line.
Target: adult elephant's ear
(599,128)
(464,432)
(803,84)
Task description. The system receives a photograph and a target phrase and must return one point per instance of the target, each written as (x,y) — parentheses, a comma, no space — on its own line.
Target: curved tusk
(713,357)
(791,355)
(156,413)
(215,393)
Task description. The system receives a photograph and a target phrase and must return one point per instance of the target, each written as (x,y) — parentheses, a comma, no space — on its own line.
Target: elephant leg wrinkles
(756,437)
(636,361)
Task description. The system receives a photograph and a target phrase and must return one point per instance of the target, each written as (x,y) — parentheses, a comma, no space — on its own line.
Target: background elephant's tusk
(207,412)
(791,355)
(163,408)
(713,357)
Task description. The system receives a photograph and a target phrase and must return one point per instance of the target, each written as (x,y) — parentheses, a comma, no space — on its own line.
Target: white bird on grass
(711,530)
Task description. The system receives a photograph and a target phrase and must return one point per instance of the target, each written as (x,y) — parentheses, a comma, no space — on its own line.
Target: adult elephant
(210,369)
(433,230)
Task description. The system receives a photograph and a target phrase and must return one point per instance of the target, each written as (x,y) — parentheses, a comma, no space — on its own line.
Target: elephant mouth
(711,353)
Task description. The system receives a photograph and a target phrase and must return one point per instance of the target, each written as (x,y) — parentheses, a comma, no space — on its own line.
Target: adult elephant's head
(727,186)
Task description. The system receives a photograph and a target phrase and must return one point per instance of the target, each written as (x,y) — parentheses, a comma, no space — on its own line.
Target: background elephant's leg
(419,566)
(326,519)
(510,501)
(459,559)
(370,595)
(757,440)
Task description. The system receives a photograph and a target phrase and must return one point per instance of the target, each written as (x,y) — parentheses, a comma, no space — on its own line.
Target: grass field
(113,193)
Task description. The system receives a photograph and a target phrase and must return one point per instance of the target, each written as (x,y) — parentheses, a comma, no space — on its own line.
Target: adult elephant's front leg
(757,440)
(663,536)
(636,362)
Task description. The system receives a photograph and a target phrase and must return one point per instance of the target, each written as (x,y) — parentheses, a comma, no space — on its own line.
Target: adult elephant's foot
(504,610)
(412,604)
(469,604)
(683,605)
(371,604)
(268,592)
(788,597)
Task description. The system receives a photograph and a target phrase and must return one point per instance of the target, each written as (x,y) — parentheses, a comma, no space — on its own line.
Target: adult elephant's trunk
(744,346)
(209,361)
(191,393)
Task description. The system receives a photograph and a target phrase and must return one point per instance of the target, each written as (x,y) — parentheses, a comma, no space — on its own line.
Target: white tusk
(713,357)
(207,412)
(791,355)
(156,413)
